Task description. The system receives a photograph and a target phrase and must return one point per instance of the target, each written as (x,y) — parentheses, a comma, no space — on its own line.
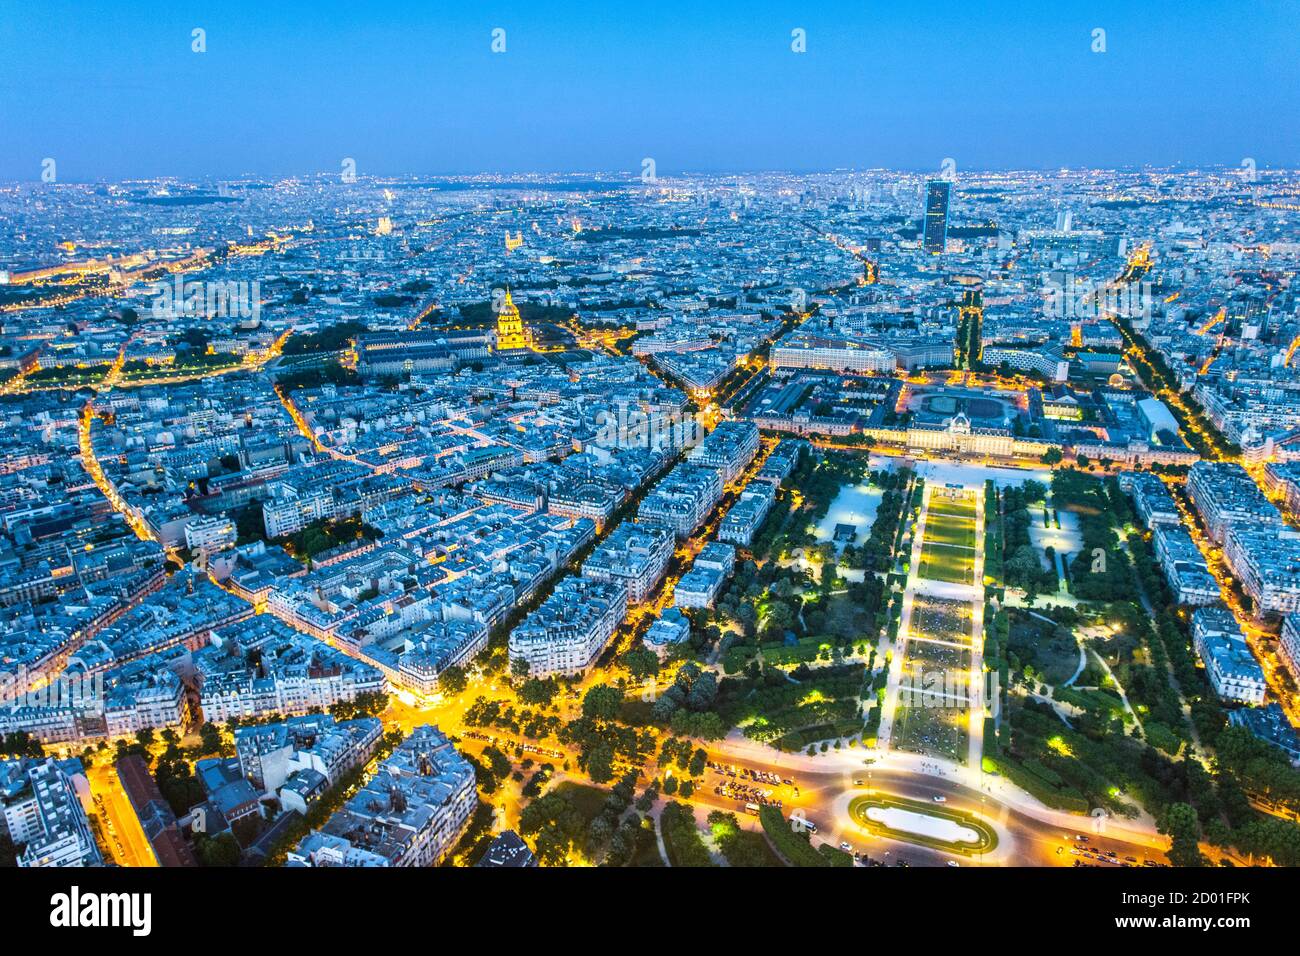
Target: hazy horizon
(631,177)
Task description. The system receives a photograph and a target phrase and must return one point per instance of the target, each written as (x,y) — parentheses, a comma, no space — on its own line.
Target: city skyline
(877,448)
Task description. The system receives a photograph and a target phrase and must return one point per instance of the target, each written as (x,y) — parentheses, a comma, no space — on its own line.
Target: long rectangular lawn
(944,562)
(950,529)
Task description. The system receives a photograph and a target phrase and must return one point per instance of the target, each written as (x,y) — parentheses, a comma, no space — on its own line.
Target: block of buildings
(411,812)
(1230,666)
(571,627)
(1184,566)
(44,815)
(699,586)
(634,555)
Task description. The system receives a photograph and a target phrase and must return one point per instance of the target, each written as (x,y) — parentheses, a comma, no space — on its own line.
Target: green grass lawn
(961,507)
(948,548)
(588,801)
(942,562)
(950,529)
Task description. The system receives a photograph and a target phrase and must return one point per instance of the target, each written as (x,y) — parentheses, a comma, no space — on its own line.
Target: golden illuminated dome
(510,326)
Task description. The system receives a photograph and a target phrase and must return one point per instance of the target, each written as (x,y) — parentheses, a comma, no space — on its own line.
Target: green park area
(67,376)
(323,535)
(941,562)
(824,704)
(948,549)
(794,845)
(185,364)
(1043,649)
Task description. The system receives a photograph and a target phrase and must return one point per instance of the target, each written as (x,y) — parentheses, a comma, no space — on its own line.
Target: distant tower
(935,238)
(510,326)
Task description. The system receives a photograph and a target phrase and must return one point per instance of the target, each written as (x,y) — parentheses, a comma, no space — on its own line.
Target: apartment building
(571,627)
(410,813)
(210,534)
(682,499)
(1184,567)
(43,810)
(271,754)
(1151,499)
(1289,642)
(1230,666)
(699,586)
(746,515)
(1224,495)
(633,555)
(1265,558)
(729,448)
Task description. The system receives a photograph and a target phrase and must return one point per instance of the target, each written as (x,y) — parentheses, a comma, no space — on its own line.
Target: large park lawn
(944,562)
(950,530)
(948,548)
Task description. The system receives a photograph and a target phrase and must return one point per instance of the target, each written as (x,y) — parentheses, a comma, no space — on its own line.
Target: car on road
(953,863)
(844,845)
(939,798)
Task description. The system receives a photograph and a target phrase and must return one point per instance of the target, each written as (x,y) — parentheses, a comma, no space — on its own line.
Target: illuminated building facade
(510,326)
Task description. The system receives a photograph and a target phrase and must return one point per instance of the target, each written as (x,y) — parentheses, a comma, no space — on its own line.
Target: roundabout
(911,821)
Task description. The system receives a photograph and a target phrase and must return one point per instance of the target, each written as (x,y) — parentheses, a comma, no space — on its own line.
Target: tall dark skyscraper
(936,215)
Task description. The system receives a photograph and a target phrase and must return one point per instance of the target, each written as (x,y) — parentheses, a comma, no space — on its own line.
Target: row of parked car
(512,744)
(748,795)
(744,773)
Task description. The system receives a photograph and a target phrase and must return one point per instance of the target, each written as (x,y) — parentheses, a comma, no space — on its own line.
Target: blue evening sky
(111,90)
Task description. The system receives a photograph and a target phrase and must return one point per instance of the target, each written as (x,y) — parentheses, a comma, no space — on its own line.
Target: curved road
(1028,835)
